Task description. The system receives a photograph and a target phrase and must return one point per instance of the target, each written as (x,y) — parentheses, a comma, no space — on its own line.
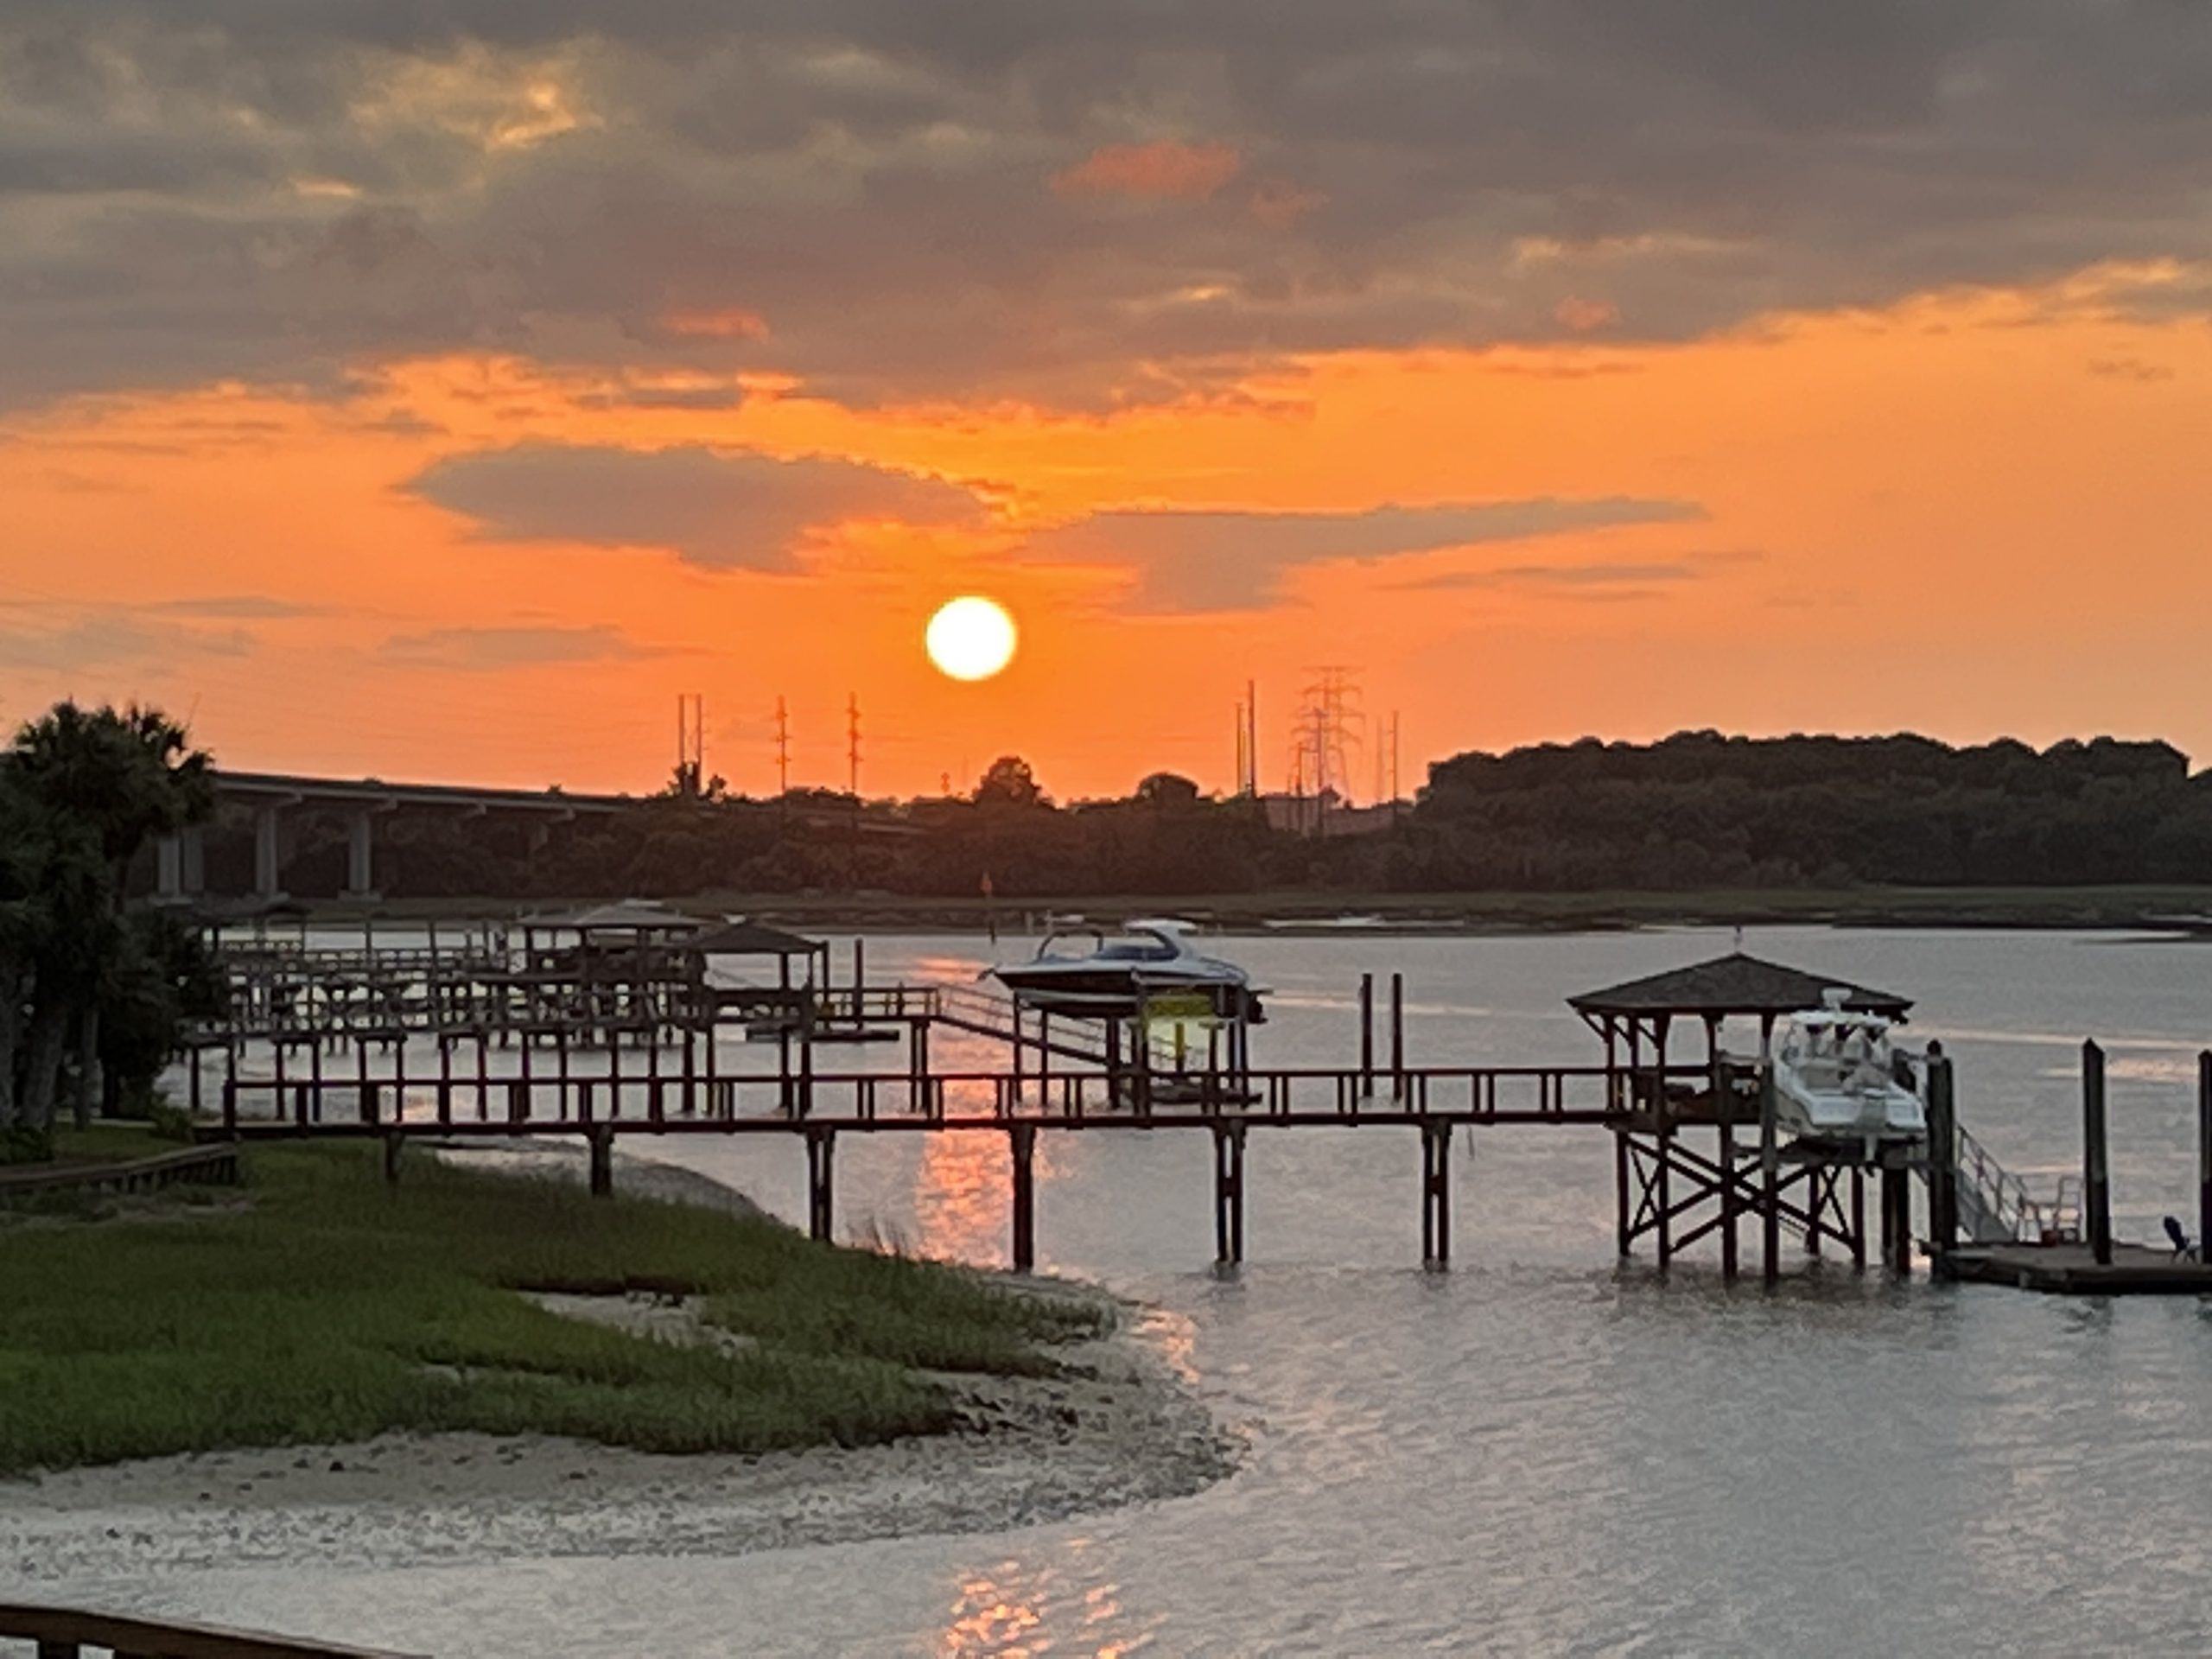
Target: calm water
(1536,1452)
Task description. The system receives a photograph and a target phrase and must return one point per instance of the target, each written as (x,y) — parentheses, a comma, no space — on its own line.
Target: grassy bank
(2064,907)
(331,1308)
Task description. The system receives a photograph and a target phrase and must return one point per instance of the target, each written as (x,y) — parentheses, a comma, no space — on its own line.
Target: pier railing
(483,1103)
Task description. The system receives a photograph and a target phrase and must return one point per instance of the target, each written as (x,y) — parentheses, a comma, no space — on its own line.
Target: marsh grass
(333,1308)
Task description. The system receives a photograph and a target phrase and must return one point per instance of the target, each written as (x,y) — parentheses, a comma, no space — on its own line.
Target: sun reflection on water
(964,1201)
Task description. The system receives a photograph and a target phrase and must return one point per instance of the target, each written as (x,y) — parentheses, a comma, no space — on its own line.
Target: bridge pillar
(268,854)
(360,855)
(181,866)
(169,870)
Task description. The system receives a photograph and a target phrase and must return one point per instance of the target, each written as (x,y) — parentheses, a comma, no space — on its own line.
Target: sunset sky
(438,392)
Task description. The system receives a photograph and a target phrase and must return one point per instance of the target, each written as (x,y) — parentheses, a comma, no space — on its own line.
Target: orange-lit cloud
(1164,168)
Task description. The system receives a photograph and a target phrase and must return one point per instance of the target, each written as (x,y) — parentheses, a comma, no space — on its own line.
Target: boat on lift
(1119,976)
(1837,1078)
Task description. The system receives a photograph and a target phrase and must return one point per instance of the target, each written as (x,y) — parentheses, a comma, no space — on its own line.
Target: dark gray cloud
(472,649)
(275,189)
(722,512)
(1227,561)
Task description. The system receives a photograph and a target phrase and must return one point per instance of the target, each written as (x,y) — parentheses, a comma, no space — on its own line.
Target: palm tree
(90,789)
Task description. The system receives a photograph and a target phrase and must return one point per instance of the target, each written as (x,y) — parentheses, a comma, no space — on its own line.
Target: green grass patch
(335,1308)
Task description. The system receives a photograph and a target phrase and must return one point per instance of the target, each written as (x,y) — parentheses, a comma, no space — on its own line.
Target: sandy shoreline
(1119,1428)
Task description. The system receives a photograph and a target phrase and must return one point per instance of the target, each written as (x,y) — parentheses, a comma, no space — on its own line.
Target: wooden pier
(608,1023)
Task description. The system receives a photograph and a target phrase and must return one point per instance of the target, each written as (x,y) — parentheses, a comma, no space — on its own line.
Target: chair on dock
(2184,1250)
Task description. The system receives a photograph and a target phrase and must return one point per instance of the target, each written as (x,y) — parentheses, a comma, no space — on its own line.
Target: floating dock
(2074,1269)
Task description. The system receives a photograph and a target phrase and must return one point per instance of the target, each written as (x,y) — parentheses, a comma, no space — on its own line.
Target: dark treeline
(1698,810)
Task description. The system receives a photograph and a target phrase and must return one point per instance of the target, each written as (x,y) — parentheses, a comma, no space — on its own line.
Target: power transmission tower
(783,749)
(852,744)
(1329,727)
(690,746)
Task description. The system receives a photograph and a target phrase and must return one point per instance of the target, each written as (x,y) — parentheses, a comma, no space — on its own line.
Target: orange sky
(1973,509)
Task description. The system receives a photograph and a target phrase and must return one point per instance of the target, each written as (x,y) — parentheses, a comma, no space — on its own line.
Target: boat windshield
(1141,949)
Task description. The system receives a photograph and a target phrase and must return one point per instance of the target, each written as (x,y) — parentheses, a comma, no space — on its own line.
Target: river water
(1539,1450)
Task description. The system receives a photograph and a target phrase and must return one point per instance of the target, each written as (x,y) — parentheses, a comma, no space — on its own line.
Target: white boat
(1118,977)
(1837,1078)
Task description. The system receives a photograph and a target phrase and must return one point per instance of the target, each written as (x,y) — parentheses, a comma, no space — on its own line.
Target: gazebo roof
(748,938)
(629,916)
(1734,984)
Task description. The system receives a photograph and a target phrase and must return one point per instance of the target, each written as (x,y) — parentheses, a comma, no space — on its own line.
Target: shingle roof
(743,938)
(631,915)
(1734,983)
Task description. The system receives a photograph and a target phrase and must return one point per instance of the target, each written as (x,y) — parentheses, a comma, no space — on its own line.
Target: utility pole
(1395,795)
(1248,741)
(783,749)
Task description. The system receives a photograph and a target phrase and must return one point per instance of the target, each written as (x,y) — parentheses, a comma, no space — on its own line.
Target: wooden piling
(393,1142)
(601,1143)
(1228,1194)
(2205,1155)
(1622,1217)
(1857,1219)
(1729,1206)
(1436,1193)
(1770,1172)
(821,1150)
(1397,1036)
(2096,1168)
(1021,1141)
(1942,1162)
(1896,1218)
(1367,1033)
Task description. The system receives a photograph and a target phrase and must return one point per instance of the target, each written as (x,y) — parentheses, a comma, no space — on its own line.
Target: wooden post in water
(1436,1193)
(1621,1216)
(821,1149)
(601,1142)
(2096,1167)
(1943,1163)
(1724,1109)
(1769,1170)
(1397,1036)
(1021,1138)
(1897,1217)
(393,1142)
(1367,1033)
(1228,1194)
(2203,1154)
(1858,1218)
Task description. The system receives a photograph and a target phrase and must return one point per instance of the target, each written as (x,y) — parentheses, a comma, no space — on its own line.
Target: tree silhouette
(1008,781)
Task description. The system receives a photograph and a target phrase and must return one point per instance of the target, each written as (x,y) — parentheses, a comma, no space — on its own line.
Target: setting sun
(970,638)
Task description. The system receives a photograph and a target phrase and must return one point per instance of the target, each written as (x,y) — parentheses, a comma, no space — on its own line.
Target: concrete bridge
(181,865)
